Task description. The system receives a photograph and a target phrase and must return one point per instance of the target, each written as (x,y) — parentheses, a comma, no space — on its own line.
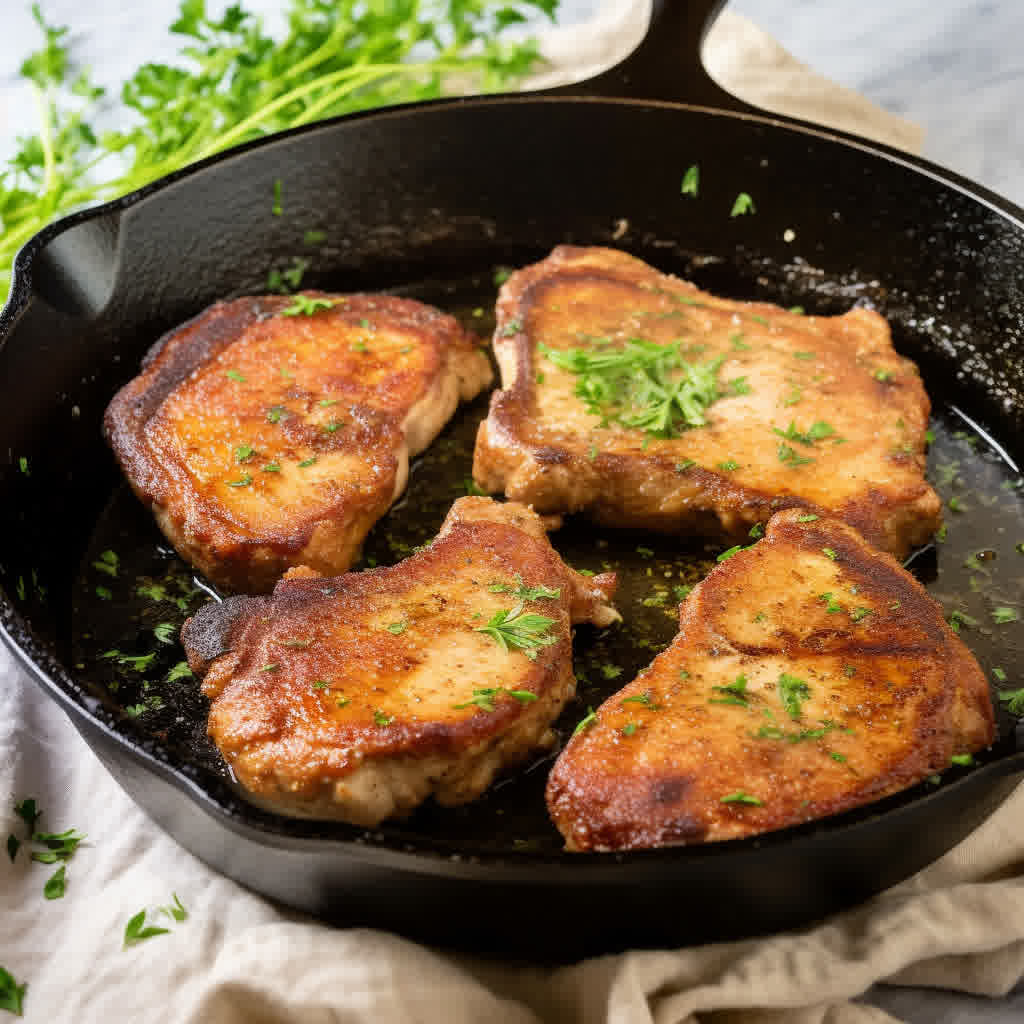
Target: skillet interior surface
(429,202)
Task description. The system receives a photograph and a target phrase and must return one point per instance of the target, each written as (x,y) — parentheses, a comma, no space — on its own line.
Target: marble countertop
(954,66)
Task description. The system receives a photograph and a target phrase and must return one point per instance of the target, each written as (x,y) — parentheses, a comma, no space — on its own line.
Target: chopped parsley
(521,592)
(107,562)
(859,613)
(23,465)
(55,884)
(963,760)
(682,591)
(275,412)
(398,628)
(739,797)
(242,481)
(180,671)
(12,995)
(470,486)
(793,692)
(611,671)
(1014,701)
(165,632)
(305,305)
(810,517)
(956,505)
(272,467)
(734,693)
(734,550)
(103,593)
(1000,616)
(628,729)
(756,531)
(789,457)
(333,426)
(728,465)
(999,675)
(271,667)
(136,662)
(381,719)
(882,375)
(836,756)
(642,385)
(306,463)
(831,604)
(643,699)
(742,204)
(829,553)
(644,552)
(818,431)
(501,275)
(484,698)
(957,618)
(589,719)
(517,628)
(235,376)
(738,343)
(691,181)
(136,930)
(59,846)
(740,386)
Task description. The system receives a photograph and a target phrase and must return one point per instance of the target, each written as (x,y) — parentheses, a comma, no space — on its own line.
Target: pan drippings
(133,593)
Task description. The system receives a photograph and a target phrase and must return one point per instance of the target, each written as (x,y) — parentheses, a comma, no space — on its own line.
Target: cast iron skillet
(442,192)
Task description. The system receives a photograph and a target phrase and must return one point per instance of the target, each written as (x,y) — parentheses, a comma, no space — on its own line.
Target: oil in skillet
(974,571)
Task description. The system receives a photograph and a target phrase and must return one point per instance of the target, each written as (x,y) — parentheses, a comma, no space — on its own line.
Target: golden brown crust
(338,696)
(539,445)
(889,693)
(262,440)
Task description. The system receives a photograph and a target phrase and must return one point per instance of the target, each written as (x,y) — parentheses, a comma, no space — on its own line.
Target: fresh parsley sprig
(526,631)
(236,83)
(641,384)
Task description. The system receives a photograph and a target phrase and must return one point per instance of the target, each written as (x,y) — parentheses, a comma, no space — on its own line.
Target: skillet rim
(217,798)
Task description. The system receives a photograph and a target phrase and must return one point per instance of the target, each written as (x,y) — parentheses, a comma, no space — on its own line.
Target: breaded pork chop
(810,674)
(357,697)
(275,431)
(634,397)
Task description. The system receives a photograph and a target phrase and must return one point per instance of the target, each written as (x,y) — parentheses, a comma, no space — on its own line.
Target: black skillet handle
(667,64)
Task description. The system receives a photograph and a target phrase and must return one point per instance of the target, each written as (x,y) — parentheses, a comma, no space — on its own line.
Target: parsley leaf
(136,930)
(165,632)
(27,811)
(55,884)
(526,631)
(641,385)
(12,994)
(521,592)
(484,698)
(589,719)
(691,181)
(742,204)
(305,305)
(107,562)
(739,797)
(793,692)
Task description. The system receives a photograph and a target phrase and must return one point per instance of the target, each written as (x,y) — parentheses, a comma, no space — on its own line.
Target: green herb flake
(397,628)
(320,684)
(59,846)
(739,797)
(831,604)
(243,452)
(797,310)
(103,593)
(860,613)
(586,722)
(334,426)
(235,376)
(734,693)
(643,699)
(107,562)
(999,675)
(734,550)
(756,532)
(306,463)
(728,465)
(275,413)
(789,457)
(381,719)
(136,930)
(929,436)
(28,812)
(691,181)
(882,375)
(956,505)
(641,385)
(1014,701)
(963,760)
(517,628)
(682,591)
(957,618)
(242,481)
(740,386)
(611,671)
(521,592)
(314,237)
(55,884)
(165,632)
(12,995)
(810,517)
(275,208)
(738,343)
(742,204)
(306,305)
(180,671)
(841,758)
(501,275)
(1000,616)
(682,467)
(23,465)
(629,729)
(792,692)
(829,553)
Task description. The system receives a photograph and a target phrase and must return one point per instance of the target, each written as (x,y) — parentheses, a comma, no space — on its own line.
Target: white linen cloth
(238,959)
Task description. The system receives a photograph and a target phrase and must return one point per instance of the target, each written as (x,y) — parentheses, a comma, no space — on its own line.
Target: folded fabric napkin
(238,958)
